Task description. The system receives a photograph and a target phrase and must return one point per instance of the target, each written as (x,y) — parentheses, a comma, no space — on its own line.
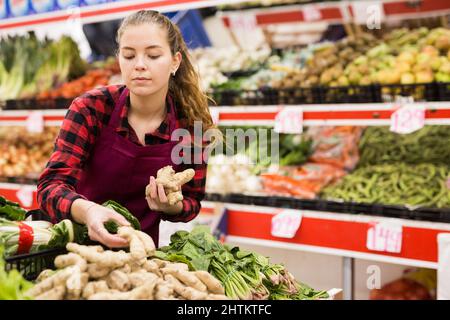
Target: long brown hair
(184,87)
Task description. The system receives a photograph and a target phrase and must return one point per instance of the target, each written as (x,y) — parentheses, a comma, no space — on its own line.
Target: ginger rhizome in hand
(172,182)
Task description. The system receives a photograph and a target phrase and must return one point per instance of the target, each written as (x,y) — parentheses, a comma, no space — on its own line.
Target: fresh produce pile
(92,273)
(334,150)
(394,184)
(29,65)
(430,144)
(405,56)
(417,284)
(45,235)
(25,154)
(11,210)
(243,274)
(12,285)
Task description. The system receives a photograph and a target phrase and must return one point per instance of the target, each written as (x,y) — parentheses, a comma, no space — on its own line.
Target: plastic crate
(224,97)
(190,23)
(443,91)
(37,104)
(346,94)
(32,264)
(299,95)
(414,92)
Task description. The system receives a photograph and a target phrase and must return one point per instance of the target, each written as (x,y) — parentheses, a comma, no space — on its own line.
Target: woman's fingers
(153,191)
(119,219)
(162,194)
(100,234)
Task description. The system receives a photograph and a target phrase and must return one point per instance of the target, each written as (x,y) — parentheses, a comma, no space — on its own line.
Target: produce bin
(37,104)
(443,91)
(417,92)
(32,264)
(346,94)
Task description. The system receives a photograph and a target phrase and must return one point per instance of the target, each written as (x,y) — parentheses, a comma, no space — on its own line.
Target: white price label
(286,223)
(243,21)
(35,122)
(407,119)
(311,13)
(289,120)
(369,13)
(385,236)
(215,115)
(25,196)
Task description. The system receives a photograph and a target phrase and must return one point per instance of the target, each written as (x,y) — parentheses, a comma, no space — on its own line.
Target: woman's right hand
(94,218)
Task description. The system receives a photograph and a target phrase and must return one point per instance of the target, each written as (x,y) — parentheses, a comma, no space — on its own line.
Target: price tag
(243,22)
(215,114)
(311,13)
(289,120)
(385,236)
(407,119)
(286,223)
(35,122)
(25,196)
(368,13)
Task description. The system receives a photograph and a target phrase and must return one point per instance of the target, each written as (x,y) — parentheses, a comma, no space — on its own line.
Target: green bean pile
(429,145)
(395,184)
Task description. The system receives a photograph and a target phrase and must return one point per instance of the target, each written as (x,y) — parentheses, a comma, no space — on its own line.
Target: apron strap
(118,107)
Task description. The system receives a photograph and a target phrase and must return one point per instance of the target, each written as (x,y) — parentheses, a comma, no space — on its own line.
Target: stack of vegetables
(243,274)
(93,273)
(12,284)
(29,65)
(410,169)
(45,235)
(25,154)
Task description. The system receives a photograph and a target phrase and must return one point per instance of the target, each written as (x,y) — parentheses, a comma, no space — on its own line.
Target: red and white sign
(408,118)
(25,196)
(286,223)
(35,122)
(289,120)
(311,13)
(243,22)
(385,236)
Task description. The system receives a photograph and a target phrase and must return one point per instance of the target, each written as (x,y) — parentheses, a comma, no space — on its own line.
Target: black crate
(346,94)
(30,265)
(37,104)
(299,95)
(443,91)
(245,97)
(413,92)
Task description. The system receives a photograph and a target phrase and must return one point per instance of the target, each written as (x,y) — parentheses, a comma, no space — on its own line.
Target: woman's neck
(148,107)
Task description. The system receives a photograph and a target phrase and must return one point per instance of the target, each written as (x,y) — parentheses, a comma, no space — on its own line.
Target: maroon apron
(120,170)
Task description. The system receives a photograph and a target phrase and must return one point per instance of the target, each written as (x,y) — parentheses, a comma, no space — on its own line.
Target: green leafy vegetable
(11,210)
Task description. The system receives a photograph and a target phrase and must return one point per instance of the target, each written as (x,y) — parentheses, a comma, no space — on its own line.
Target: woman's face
(145,59)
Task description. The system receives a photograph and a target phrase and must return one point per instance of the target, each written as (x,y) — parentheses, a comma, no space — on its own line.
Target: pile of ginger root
(92,273)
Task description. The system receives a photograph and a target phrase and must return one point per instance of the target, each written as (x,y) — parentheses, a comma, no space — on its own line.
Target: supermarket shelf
(336,234)
(103,12)
(343,11)
(340,234)
(362,114)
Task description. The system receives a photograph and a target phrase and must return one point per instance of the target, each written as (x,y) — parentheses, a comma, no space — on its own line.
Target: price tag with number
(25,196)
(311,13)
(408,118)
(243,22)
(215,114)
(286,223)
(385,236)
(289,120)
(35,122)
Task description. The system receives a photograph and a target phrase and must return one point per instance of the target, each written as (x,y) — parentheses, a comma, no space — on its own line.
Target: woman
(114,139)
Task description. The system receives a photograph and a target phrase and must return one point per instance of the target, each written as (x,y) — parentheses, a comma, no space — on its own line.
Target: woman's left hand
(157,199)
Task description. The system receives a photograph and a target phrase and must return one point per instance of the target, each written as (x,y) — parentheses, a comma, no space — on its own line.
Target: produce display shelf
(358,114)
(336,234)
(377,210)
(102,12)
(343,12)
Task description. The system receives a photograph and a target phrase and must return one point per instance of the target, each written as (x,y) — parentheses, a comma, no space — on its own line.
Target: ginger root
(94,287)
(172,182)
(70,259)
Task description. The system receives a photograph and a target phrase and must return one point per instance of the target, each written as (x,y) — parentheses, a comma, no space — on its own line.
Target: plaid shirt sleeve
(56,185)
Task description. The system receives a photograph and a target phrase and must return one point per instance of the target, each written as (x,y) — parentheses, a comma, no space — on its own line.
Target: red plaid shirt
(82,125)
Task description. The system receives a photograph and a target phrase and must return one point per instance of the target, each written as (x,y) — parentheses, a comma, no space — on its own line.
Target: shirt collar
(163,131)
